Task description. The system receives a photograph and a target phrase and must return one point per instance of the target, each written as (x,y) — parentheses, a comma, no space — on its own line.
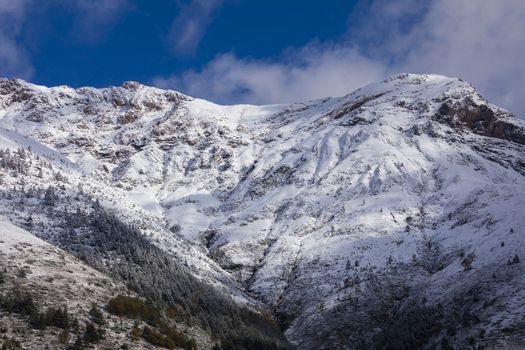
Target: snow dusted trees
(467,261)
(15,161)
(50,196)
(430,254)
(162,280)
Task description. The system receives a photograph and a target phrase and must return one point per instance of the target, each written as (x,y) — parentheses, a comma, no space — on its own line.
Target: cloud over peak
(480,41)
(310,72)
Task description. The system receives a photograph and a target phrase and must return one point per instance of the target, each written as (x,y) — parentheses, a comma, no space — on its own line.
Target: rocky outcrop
(482,119)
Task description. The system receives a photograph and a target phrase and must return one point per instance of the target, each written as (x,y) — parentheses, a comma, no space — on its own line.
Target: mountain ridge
(310,196)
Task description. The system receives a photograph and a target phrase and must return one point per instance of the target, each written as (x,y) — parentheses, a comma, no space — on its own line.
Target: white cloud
(190,25)
(481,41)
(311,72)
(14,60)
(94,17)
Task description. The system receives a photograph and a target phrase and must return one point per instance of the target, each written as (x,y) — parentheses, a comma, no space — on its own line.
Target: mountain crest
(353,218)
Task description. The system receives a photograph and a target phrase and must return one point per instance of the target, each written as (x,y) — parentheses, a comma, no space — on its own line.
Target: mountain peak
(399,198)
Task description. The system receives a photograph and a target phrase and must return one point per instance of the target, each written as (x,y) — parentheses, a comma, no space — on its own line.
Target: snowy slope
(22,191)
(57,279)
(300,202)
(55,201)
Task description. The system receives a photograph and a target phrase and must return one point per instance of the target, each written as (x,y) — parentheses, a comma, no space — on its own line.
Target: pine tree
(50,197)
(467,261)
(93,334)
(64,336)
(96,316)
(78,345)
(29,220)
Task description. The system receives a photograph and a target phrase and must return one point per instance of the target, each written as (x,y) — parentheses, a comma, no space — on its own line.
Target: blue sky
(233,51)
(141,42)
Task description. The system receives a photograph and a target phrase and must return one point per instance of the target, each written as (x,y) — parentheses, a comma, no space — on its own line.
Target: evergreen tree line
(104,242)
(135,308)
(14,160)
(23,304)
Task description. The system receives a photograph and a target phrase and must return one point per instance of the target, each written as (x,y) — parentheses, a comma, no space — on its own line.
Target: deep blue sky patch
(136,47)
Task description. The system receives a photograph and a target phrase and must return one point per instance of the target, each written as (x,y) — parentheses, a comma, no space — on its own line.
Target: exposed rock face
(482,119)
(348,217)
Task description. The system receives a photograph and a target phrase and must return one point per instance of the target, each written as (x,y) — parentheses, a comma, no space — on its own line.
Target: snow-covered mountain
(38,277)
(395,213)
